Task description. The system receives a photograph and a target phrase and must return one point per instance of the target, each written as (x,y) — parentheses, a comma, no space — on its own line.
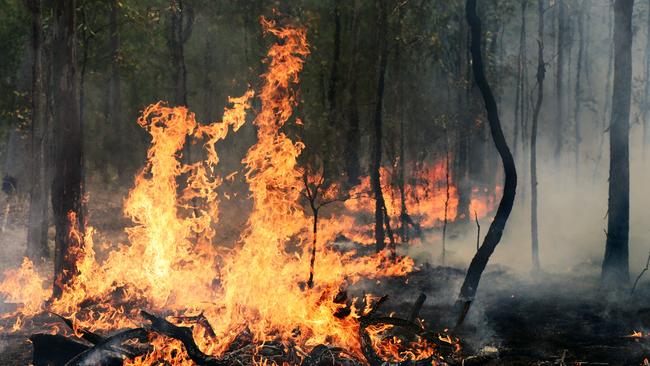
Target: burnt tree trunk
(67,179)
(375,178)
(353,136)
(646,88)
(541,73)
(520,95)
(578,86)
(336,59)
(616,262)
(181,22)
(114,109)
(492,238)
(38,220)
(559,80)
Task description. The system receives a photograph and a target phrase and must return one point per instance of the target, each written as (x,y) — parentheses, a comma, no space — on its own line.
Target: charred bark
(38,218)
(491,240)
(616,262)
(68,175)
(375,178)
(559,80)
(113,107)
(541,74)
(336,59)
(181,22)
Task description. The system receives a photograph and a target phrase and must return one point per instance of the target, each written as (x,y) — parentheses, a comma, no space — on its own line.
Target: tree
(615,269)
(492,238)
(113,104)
(181,22)
(559,80)
(375,179)
(67,180)
(38,220)
(541,73)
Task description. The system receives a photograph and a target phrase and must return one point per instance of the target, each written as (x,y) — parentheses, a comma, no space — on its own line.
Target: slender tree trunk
(608,86)
(336,59)
(38,220)
(491,240)
(114,112)
(521,66)
(447,196)
(616,262)
(541,73)
(353,136)
(375,178)
(578,86)
(67,180)
(181,22)
(559,81)
(312,259)
(646,90)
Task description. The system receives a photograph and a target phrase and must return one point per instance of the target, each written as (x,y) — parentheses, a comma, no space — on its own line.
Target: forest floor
(517,319)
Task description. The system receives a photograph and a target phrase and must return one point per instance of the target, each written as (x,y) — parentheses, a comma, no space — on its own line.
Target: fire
(425,198)
(171,263)
(393,347)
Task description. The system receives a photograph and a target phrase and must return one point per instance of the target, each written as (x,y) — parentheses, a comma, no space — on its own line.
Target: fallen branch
(183,334)
(111,351)
(416,307)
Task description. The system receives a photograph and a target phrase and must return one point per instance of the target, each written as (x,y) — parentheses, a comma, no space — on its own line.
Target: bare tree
(492,238)
(375,178)
(541,73)
(38,220)
(616,262)
(67,180)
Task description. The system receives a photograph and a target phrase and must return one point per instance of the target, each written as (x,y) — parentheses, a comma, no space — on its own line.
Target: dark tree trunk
(491,240)
(375,178)
(559,81)
(520,95)
(578,86)
(616,262)
(646,89)
(336,59)
(114,108)
(181,22)
(541,73)
(67,180)
(353,136)
(608,86)
(38,218)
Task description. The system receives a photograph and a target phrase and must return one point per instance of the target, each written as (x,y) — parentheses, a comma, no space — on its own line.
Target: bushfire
(254,295)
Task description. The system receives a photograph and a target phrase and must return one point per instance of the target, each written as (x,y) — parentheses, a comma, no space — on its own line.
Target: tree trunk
(114,108)
(608,86)
(520,96)
(334,72)
(578,91)
(646,89)
(491,240)
(559,81)
(375,178)
(38,218)
(541,73)
(181,22)
(67,180)
(616,262)
(353,136)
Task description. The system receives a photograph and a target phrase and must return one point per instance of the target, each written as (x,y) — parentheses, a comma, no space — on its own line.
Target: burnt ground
(549,320)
